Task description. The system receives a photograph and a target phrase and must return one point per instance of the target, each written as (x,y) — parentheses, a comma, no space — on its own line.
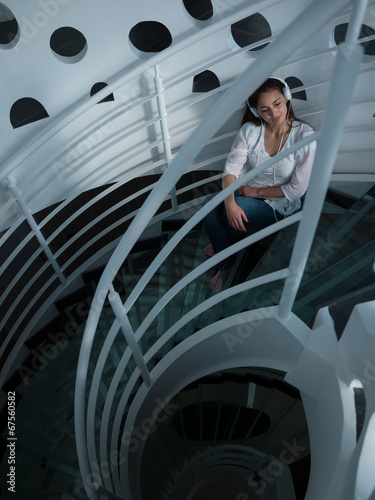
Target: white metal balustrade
(275,56)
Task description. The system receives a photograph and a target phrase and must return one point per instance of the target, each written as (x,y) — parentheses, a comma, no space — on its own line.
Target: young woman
(268,126)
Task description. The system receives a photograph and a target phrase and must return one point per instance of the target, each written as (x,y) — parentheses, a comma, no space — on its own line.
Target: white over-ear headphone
(286,91)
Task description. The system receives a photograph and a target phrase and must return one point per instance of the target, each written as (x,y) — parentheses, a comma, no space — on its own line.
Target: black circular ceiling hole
(250,30)
(67,42)
(201,10)
(150,36)
(8,25)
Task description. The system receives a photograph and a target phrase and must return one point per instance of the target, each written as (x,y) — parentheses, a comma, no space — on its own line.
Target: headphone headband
(286,92)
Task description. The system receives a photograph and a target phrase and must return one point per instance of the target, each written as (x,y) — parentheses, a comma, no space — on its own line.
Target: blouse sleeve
(238,155)
(299,180)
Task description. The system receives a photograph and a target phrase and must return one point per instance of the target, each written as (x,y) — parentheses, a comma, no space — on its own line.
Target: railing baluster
(164,128)
(10,184)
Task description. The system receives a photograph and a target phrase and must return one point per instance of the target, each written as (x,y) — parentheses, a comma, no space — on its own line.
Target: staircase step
(341,309)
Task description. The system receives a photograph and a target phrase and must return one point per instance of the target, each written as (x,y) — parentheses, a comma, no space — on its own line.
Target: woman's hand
(248,192)
(236,216)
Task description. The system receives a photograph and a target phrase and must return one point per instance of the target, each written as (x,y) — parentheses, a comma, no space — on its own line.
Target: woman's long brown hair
(270,84)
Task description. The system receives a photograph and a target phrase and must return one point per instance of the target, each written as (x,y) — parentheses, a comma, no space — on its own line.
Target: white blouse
(292,173)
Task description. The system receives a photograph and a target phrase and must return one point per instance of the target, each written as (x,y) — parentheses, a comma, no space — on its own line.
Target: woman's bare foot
(218,281)
(209,250)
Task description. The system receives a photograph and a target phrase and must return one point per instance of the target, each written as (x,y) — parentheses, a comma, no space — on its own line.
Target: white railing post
(158,82)
(103,491)
(355,23)
(344,77)
(10,184)
(118,308)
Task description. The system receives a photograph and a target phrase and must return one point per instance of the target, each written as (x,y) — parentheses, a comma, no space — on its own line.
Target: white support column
(118,308)
(345,73)
(158,82)
(10,184)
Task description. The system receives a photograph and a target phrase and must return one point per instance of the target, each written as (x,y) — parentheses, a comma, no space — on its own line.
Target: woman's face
(272,107)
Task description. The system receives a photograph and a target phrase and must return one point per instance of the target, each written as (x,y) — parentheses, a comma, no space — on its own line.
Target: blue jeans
(221,234)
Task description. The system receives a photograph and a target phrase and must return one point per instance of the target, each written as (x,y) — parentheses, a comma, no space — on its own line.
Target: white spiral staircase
(162,372)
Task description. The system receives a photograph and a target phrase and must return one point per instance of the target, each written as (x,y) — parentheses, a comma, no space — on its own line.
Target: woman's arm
(235,214)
